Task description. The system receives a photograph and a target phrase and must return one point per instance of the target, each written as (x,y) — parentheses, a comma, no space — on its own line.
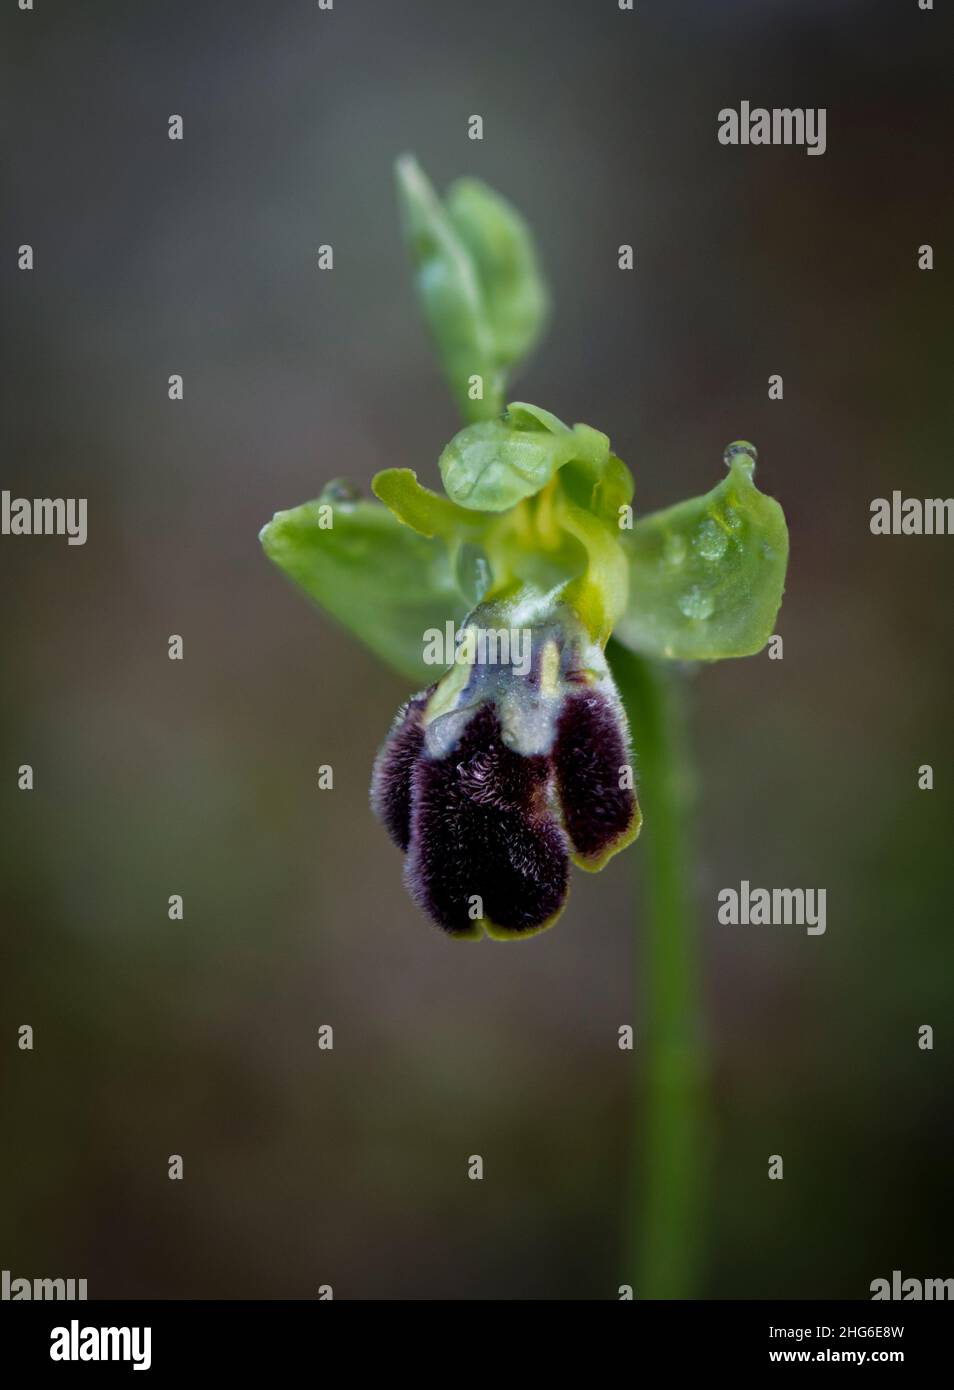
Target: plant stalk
(666,1223)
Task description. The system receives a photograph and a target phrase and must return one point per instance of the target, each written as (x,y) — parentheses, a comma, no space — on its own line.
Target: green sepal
(706,576)
(379,578)
(493,465)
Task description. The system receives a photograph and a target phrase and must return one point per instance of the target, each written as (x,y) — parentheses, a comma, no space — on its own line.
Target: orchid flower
(498,774)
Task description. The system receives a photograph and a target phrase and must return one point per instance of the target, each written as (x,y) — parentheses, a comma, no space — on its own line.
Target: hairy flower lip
(601,817)
(493,783)
(485,846)
(390,785)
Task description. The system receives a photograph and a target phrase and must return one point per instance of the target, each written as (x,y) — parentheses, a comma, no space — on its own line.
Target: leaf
(501,245)
(449,292)
(706,576)
(376,576)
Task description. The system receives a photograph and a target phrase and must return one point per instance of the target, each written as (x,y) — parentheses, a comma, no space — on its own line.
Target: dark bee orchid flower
(495,778)
(503,772)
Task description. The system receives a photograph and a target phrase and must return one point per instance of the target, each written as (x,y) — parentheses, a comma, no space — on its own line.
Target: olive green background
(153,1037)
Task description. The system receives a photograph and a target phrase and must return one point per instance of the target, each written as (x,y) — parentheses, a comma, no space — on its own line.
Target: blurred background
(200,777)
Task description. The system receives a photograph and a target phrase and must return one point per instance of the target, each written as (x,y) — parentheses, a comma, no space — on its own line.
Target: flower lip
(485,846)
(492,781)
(391,778)
(594,779)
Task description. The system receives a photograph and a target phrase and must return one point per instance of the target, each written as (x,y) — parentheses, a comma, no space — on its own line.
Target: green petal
(449,292)
(417,506)
(706,577)
(613,491)
(377,577)
(502,249)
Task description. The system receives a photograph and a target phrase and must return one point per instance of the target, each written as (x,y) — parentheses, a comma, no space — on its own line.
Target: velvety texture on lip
(498,776)
(391,780)
(588,757)
(482,828)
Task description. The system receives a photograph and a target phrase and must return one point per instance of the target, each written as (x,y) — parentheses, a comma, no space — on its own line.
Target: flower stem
(666,1220)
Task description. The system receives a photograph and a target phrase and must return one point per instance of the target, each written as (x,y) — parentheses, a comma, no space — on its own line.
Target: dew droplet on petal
(710,540)
(341,493)
(695,603)
(743,451)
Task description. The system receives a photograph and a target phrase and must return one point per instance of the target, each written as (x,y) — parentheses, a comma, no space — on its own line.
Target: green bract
(501,247)
(478,282)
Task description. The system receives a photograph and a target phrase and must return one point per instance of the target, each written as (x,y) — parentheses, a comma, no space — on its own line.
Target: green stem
(667,1198)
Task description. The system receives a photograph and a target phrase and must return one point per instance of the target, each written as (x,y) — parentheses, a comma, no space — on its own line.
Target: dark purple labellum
(391,780)
(591,761)
(483,839)
(496,777)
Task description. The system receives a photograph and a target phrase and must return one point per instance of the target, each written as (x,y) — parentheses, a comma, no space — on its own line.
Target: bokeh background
(153,1037)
